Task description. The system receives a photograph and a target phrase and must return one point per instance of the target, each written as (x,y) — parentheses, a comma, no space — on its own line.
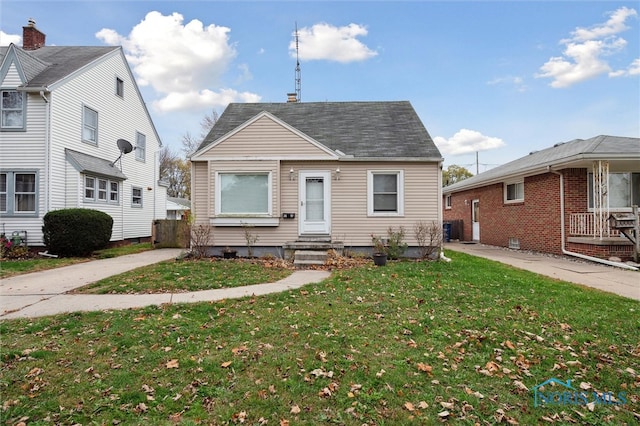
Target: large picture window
(243,194)
(12,109)
(385,193)
(18,193)
(624,190)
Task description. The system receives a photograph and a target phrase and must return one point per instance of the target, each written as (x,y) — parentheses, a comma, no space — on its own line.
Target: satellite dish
(125,147)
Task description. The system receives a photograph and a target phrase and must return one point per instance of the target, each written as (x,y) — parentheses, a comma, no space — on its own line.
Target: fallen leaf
(424,367)
(509,345)
(226,364)
(173,364)
(409,406)
(295,410)
(443,414)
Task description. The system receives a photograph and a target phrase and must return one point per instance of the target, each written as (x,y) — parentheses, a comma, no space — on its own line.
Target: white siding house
(63,110)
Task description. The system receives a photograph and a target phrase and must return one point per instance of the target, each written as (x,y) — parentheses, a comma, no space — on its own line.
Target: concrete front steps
(312,251)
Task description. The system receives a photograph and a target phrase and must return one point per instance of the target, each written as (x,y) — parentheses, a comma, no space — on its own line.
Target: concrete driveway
(607,278)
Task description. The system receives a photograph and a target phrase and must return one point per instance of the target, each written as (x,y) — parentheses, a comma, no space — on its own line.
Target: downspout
(47,154)
(562,233)
(440,216)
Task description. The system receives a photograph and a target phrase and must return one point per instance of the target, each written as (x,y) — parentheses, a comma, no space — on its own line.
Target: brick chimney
(292,97)
(32,38)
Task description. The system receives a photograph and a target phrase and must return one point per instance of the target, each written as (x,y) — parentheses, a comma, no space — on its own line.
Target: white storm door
(315,202)
(475,219)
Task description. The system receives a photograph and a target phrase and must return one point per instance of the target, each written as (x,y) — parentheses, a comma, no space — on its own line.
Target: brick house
(556,200)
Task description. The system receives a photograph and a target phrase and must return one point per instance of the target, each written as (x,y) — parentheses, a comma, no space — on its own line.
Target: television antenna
(298,77)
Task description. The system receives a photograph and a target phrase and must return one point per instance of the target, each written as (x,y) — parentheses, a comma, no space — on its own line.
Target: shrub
(395,242)
(76,232)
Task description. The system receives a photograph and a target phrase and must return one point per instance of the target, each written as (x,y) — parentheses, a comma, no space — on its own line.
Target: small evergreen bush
(76,232)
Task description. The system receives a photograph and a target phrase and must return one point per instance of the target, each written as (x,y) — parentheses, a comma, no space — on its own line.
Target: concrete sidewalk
(44,293)
(596,275)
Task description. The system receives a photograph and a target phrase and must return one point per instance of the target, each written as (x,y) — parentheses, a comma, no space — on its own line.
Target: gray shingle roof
(601,147)
(360,129)
(50,64)
(85,163)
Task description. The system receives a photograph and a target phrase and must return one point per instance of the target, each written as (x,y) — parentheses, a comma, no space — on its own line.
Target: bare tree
(191,143)
(175,171)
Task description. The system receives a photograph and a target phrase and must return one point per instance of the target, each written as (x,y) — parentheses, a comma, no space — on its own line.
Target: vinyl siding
(12,79)
(349,220)
(60,185)
(276,141)
(26,151)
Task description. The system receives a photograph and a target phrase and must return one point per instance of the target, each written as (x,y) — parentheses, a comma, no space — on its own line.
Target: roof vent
(558,144)
(292,97)
(532,152)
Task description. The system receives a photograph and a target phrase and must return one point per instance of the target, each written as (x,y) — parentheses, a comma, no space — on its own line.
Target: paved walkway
(623,282)
(45,293)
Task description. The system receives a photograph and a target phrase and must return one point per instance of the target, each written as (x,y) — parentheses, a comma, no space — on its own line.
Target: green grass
(9,267)
(188,275)
(386,346)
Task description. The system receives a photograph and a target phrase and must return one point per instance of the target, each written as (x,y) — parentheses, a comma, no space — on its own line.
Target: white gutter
(562,233)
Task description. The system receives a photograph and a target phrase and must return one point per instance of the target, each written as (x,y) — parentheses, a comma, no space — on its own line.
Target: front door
(475,219)
(315,202)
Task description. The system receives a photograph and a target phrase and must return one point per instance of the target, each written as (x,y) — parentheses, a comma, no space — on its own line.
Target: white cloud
(583,57)
(326,42)
(515,82)
(180,61)
(466,141)
(200,100)
(7,39)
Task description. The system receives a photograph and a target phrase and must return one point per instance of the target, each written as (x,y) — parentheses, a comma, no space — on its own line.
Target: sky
(490,80)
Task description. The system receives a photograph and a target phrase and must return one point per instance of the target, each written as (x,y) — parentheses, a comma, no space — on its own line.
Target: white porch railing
(582,225)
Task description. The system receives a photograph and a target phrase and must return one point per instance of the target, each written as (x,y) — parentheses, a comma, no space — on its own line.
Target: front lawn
(409,343)
(11,267)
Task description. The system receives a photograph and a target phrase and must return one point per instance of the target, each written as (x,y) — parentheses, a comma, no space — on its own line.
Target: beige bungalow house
(330,174)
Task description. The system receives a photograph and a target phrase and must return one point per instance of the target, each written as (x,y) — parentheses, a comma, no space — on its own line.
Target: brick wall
(536,221)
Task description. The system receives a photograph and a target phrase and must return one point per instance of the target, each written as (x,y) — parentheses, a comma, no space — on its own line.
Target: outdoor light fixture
(291,177)
(338,173)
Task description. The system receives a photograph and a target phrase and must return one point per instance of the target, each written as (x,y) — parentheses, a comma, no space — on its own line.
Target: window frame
(134,204)
(86,126)
(632,200)
(119,87)
(447,201)
(10,193)
(141,147)
(399,173)
(100,195)
(506,186)
(243,219)
(23,110)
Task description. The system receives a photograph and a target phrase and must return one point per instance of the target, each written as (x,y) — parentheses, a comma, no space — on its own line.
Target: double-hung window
(100,190)
(89,125)
(12,109)
(141,146)
(119,87)
(447,201)
(136,196)
(18,193)
(385,193)
(514,192)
